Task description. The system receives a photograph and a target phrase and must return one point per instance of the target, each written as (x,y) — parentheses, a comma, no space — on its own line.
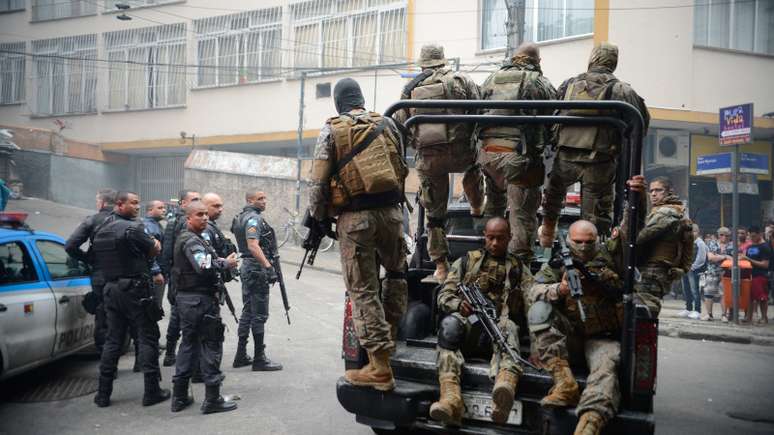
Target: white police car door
(68,278)
(27,308)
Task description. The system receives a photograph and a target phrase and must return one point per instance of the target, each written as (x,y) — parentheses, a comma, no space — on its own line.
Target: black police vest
(113,254)
(267,241)
(183,272)
(217,239)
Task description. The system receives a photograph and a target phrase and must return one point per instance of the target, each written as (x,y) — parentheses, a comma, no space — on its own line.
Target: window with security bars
(544,20)
(54,9)
(348,33)
(11,5)
(239,48)
(64,75)
(147,67)
(746,25)
(12,67)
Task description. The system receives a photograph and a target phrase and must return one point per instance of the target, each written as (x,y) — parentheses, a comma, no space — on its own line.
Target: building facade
(155,78)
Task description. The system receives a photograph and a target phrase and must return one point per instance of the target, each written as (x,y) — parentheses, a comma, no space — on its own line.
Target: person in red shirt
(743,240)
(758,253)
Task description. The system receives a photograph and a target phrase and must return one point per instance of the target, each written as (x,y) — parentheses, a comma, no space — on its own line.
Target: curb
(674,332)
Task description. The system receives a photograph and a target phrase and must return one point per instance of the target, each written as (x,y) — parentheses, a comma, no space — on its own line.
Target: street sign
(753,163)
(736,124)
(711,164)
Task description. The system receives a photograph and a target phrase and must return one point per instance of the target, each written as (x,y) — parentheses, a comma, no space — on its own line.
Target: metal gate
(159,177)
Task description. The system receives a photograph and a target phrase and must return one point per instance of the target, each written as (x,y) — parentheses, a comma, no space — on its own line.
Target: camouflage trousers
(368,239)
(654,283)
(477,345)
(602,393)
(597,190)
(433,171)
(522,199)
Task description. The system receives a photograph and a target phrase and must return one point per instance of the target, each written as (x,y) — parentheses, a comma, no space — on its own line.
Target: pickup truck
(406,408)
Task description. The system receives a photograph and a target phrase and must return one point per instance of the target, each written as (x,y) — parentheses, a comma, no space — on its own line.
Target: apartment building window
(545,20)
(746,25)
(239,48)
(64,75)
(147,67)
(55,9)
(12,67)
(348,33)
(11,5)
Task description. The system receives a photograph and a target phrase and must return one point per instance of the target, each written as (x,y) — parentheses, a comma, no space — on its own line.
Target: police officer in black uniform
(258,246)
(174,227)
(196,273)
(123,252)
(85,231)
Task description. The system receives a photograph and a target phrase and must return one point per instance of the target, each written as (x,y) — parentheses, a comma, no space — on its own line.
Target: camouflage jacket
(503,280)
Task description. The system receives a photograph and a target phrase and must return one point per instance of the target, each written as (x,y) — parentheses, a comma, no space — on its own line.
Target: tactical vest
(602,139)
(112,253)
(508,84)
(675,249)
(604,314)
(217,239)
(438,86)
(183,273)
(267,240)
(490,285)
(374,177)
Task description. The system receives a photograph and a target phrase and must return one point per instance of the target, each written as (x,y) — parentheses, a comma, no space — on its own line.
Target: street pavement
(705,386)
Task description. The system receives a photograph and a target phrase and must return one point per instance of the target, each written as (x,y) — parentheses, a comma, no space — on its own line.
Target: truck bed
(417,388)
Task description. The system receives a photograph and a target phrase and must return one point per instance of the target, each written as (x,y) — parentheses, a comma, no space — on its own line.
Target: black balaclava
(348,96)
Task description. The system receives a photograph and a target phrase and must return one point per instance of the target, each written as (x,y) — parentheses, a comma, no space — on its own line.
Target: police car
(41,290)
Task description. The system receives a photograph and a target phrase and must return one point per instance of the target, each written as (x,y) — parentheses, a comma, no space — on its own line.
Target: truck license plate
(479,407)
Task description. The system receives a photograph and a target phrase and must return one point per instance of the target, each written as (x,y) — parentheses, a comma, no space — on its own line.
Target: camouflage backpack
(508,84)
(596,87)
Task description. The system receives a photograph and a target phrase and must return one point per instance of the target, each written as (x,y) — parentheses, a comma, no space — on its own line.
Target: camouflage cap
(604,55)
(431,56)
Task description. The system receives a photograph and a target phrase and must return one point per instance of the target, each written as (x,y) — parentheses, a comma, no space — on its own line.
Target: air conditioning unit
(671,148)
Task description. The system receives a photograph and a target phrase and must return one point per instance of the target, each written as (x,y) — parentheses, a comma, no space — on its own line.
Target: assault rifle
(484,311)
(317,230)
(228,249)
(573,279)
(275,262)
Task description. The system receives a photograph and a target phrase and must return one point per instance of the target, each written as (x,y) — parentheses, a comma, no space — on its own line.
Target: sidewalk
(669,324)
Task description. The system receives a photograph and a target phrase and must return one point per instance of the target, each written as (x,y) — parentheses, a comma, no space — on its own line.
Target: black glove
(271,275)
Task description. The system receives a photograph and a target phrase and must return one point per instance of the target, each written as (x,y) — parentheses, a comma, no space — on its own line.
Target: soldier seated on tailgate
(502,278)
(555,325)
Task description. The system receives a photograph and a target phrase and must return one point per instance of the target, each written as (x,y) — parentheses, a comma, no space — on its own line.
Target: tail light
(645,355)
(350,347)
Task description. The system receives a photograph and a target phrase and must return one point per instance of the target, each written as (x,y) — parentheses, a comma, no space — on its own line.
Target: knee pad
(451,333)
(538,316)
(435,222)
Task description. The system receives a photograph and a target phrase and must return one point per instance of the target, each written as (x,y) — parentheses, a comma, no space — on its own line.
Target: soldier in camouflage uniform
(512,157)
(556,326)
(368,226)
(588,154)
(442,149)
(664,243)
(503,278)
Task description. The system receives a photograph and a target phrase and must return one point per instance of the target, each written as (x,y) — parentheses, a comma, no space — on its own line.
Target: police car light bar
(13,219)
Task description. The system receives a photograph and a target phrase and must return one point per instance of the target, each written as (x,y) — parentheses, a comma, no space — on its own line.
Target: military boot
(153,393)
(448,409)
(169,355)
(565,390)
(180,397)
(377,373)
(260,362)
(214,402)
(441,270)
(546,233)
(502,395)
(104,390)
(241,359)
(590,423)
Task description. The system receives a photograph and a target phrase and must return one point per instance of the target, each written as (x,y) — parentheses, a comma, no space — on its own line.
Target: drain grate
(56,389)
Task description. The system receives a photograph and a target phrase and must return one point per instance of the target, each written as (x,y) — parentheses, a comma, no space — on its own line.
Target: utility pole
(515,26)
(300,141)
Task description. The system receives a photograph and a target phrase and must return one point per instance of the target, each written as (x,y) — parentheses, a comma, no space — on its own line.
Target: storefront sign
(713,164)
(736,124)
(752,163)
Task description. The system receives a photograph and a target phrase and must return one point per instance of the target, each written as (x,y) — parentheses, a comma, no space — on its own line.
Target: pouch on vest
(425,134)
(593,138)
(508,84)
